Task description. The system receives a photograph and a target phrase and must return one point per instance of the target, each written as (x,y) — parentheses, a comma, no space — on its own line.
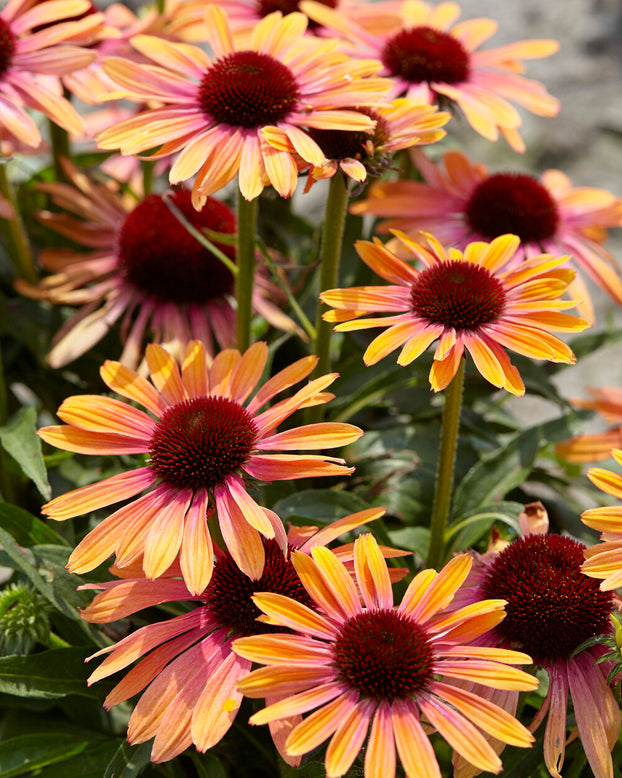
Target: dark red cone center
(8,43)
(513,203)
(229,592)
(248,89)
(198,443)
(265,7)
(383,655)
(458,294)
(160,257)
(552,606)
(352,144)
(425,55)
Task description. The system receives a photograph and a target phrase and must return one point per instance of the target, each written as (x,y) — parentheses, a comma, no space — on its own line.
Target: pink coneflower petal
(200,443)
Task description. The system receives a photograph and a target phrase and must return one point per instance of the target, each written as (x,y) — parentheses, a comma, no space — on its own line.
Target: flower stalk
(247,227)
(445,471)
(19,246)
(336,209)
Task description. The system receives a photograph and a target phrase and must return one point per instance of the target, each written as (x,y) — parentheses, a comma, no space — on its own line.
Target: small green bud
(23,619)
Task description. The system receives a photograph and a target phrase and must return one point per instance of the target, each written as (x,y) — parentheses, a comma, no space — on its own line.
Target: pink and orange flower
(188,673)
(214,113)
(360,664)
(477,300)
(604,559)
(596,446)
(35,50)
(433,60)
(144,268)
(552,609)
(459,201)
(400,125)
(206,442)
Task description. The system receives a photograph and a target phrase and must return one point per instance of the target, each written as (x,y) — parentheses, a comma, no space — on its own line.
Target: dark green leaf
(28,530)
(321,505)
(50,674)
(509,466)
(26,753)
(19,438)
(129,761)
(207,765)
(415,539)
(90,763)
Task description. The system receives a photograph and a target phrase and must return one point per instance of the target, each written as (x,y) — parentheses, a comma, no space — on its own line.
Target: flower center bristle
(458,294)
(229,592)
(248,89)
(8,42)
(199,442)
(552,606)
(513,203)
(383,655)
(161,258)
(351,144)
(423,54)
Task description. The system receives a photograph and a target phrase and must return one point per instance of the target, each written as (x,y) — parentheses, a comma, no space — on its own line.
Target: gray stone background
(584,140)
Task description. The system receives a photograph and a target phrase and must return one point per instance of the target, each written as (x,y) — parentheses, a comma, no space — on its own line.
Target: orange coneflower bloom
(380,665)
(477,299)
(459,201)
(594,447)
(604,560)
(203,438)
(214,112)
(143,268)
(399,125)
(34,52)
(432,61)
(552,608)
(202,702)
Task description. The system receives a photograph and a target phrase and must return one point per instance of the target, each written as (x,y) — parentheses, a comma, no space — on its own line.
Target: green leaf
(26,753)
(415,539)
(207,765)
(28,530)
(129,761)
(89,763)
(321,505)
(19,438)
(47,675)
(467,530)
(44,566)
(509,466)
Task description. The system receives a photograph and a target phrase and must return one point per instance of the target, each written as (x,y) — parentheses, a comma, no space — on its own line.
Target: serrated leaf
(28,530)
(128,761)
(47,675)
(19,439)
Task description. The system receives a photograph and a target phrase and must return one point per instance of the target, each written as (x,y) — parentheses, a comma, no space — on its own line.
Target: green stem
(445,471)
(6,484)
(336,210)
(59,138)
(19,246)
(148,166)
(247,227)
